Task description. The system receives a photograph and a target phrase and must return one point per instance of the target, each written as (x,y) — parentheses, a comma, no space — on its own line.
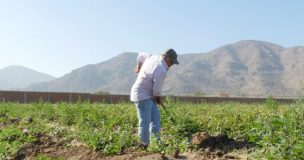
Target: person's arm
(138,66)
(139,62)
(142,56)
(159,78)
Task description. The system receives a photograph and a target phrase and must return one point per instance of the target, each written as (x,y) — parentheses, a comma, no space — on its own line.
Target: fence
(54,97)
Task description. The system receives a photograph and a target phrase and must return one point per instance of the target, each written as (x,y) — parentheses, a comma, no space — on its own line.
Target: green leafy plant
(276,129)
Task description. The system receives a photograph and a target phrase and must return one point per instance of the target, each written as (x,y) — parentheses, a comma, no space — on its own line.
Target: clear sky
(57,36)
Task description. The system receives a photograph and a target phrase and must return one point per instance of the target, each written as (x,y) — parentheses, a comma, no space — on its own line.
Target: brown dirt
(12,121)
(210,147)
(217,147)
(54,147)
(220,142)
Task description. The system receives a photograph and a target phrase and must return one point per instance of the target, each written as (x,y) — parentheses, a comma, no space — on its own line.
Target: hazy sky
(56,36)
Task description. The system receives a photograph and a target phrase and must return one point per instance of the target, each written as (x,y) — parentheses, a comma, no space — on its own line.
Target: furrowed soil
(209,147)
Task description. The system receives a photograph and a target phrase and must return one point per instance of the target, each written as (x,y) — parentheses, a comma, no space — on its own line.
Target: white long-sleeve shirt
(142,56)
(150,79)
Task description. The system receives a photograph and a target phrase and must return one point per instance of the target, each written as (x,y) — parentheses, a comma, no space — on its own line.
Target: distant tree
(199,94)
(243,95)
(223,94)
(102,92)
(301,90)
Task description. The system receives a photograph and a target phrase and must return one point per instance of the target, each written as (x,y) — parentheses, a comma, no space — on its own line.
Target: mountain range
(18,77)
(245,68)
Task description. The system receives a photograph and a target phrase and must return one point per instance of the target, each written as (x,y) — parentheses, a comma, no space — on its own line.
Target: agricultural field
(189,131)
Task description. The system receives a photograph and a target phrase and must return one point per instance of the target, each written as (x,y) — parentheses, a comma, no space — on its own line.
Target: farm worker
(141,58)
(146,93)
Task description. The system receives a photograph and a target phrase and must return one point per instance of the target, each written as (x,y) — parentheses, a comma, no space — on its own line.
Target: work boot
(142,146)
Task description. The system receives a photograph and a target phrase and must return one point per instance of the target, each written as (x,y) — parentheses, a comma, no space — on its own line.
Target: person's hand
(159,101)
